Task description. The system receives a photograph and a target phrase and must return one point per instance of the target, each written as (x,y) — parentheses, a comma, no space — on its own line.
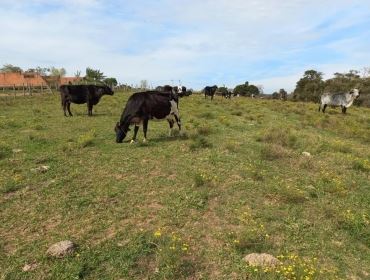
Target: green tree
(111,81)
(9,68)
(39,70)
(94,75)
(309,87)
(61,72)
(283,95)
(246,89)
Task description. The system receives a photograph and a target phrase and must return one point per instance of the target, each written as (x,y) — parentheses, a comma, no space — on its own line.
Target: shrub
(273,152)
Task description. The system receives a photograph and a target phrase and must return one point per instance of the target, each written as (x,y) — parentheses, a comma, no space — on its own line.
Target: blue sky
(224,42)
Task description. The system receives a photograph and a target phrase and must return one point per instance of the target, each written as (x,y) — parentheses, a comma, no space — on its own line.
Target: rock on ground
(307,154)
(41,169)
(61,249)
(263,259)
(29,267)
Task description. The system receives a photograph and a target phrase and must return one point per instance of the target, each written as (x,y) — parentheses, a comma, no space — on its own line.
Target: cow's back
(76,93)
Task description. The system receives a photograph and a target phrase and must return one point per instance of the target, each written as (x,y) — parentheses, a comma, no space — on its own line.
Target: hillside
(190,206)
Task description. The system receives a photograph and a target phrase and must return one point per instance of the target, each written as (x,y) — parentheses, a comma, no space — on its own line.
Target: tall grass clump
(86,139)
(285,137)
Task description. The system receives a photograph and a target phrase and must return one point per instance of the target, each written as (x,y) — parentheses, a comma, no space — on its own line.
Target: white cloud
(200,42)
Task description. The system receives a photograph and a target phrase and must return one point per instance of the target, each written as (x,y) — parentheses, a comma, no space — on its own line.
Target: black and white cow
(81,94)
(144,106)
(210,91)
(344,100)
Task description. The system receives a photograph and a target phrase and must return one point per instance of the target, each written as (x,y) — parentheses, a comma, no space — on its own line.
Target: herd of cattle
(163,104)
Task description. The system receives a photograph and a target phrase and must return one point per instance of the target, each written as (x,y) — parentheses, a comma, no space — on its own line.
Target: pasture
(189,206)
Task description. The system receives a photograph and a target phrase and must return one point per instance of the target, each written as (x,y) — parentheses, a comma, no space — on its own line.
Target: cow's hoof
(144,140)
(132,142)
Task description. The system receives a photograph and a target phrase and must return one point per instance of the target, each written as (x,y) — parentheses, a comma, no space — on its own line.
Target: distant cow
(81,94)
(144,106)
(227,94)
(210,91)
(344,100)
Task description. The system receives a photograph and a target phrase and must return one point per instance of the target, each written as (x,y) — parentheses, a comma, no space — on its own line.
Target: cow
(144,106)
(80,94)
(210,91)
(344,100)
(227,94)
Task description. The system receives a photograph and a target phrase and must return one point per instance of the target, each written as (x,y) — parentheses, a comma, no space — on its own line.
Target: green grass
(189,206)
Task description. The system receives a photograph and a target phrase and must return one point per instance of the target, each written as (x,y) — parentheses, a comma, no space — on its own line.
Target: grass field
(189,206)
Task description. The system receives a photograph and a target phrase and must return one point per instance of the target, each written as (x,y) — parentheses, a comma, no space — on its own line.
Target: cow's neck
(349,98)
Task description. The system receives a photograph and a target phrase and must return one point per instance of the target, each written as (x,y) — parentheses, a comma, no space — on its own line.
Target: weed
(86,139)
(200,142)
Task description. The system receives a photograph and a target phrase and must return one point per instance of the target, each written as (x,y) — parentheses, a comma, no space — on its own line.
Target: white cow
(344,100)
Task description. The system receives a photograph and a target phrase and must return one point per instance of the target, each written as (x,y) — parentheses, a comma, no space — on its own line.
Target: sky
(193,43)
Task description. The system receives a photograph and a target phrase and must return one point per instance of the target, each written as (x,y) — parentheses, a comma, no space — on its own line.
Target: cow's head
(175,89)
(107,90)
(121,132)
(355,93)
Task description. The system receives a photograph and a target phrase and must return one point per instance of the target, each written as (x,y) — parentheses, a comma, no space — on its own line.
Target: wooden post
(14,90)
(42,88)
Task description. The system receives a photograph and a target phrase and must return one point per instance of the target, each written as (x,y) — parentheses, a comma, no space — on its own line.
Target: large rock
(61,249)
(263,259)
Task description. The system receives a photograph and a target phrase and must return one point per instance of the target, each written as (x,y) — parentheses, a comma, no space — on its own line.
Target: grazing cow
(344,100)
(144,106)
(81,94)
(227,94)
(210,91)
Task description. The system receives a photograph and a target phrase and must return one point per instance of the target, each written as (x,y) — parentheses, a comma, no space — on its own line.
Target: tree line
(312,85)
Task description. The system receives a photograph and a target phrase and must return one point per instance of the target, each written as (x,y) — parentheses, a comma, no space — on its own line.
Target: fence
(23,90)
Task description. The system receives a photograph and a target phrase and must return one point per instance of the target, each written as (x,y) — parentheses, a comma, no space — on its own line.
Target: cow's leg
(344,109)
(69,109)
(145,128)
(136,129)
(323,109)
(65,108)
(170,122)
(320,108)
(89,109)
(178,121)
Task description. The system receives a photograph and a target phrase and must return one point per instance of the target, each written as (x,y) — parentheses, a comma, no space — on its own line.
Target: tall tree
(309,87)
(94,75)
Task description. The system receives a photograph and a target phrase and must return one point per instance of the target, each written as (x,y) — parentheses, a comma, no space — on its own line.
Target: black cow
(81,94)
(227,94)
(143,106)
(210,91)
